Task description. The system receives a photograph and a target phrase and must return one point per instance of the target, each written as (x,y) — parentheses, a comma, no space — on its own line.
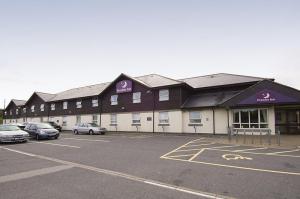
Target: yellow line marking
(285,151)
(180,147)
(236,167)
(199,145)
(86,139)
(174,156)
(250,149)
(194,156)
(188,150)
(63,145)
(268,154)
(129,177)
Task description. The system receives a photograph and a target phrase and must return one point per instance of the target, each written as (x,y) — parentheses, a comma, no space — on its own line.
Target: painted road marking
(24,153)
(33,173)
(62,145)
(129,177)
(235,157)
(194,156)
(86,139)
(285,151)
(250,149)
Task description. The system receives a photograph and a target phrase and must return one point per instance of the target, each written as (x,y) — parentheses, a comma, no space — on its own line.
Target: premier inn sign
(124,86)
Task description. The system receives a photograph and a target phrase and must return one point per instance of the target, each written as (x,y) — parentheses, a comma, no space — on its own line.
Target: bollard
(269,137)
(260,137)
(244,136)
(278,136)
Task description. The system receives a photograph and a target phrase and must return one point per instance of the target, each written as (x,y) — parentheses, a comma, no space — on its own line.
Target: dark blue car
(41,131)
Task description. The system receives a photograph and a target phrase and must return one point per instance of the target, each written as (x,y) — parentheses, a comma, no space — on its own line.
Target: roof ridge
(224,74)
(82,87)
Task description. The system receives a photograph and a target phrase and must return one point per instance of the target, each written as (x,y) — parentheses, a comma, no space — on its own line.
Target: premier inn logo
(265,96)
(124,86)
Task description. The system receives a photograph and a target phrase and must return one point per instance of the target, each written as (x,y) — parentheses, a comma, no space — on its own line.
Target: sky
(55,45)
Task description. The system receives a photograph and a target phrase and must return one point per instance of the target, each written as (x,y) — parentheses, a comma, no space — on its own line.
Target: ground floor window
(41,119)
(78,119)
(51,119)
(195,117)
(163,117)
(64,121)
(113,119)
(136,118)
(95,119)
(250,118)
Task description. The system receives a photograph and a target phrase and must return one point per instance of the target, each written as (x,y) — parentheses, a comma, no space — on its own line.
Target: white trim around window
(113,119)
(136,97)
(250,118)
(95,103)
(53,107)
(195,117)
(42,107)
(163,117)
(114,100)
(78,104)
(136,118)
(32,108)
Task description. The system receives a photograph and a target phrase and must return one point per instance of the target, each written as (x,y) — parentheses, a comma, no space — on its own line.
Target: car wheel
(91,132)
(75,132)
(56,137)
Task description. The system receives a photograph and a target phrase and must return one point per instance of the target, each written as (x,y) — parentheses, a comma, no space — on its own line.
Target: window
(163,117)
(195,117)
(65,105)
(32,108)
(164,95)
(95,119)
(17,111)
(94,103)
(10,112)
(52,107)
(5,113)
(136,97)
(114,100)
(113,118)
(78,119)
(250,118)
(24,110)
(51,119)
(41,119)
(64,121)
(42,107)
(136,118)
(78,104)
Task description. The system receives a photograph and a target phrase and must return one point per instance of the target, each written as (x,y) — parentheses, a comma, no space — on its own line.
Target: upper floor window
(65,105)
(136,97)
(52,107)
(17,111)
(195,117)
(114,100)
(163,117)
(78,104)
(32,108)
(42,107)
(24,110)
(136,118)
(94,103)
(5,113)
(163,95)
(10,112)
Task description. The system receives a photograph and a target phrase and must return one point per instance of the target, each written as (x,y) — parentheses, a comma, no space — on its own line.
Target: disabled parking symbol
(235,157)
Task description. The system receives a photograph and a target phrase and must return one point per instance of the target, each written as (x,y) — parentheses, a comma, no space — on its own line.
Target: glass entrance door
(288,121)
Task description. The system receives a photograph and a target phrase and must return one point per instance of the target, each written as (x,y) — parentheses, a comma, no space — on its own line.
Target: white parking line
(24,153)
(33,173)
(62,145)
(129,177)
(86,139)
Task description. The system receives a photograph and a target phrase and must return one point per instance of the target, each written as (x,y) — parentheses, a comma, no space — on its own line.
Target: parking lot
(136,165)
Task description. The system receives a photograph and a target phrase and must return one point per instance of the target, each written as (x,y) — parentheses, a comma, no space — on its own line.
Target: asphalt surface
(146,166)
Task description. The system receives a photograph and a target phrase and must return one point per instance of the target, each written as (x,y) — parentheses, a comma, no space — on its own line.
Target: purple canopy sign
(267,97)
(124,86)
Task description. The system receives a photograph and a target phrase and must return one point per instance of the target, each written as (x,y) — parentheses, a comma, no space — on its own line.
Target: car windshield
(93,125)
(9,128)
(44,126)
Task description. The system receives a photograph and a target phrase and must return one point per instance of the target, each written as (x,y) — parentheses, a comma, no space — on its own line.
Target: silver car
(90,128)
(11,133)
